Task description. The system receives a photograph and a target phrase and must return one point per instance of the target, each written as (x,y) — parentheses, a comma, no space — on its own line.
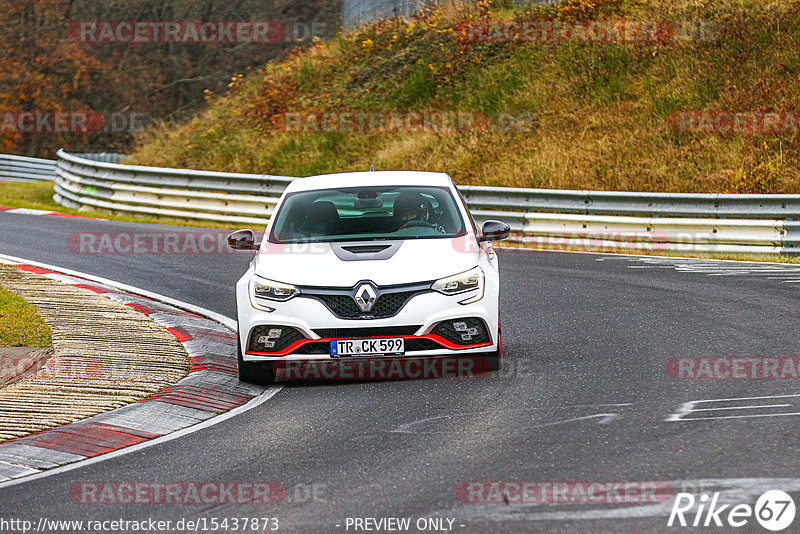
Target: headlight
(461,283)
(262,290)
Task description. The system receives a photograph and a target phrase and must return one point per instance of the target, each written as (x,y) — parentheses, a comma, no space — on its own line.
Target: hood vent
(365,249)
(360,250)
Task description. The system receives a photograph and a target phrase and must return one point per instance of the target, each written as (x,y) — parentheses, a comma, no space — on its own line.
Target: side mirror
(243,240)
(494,231)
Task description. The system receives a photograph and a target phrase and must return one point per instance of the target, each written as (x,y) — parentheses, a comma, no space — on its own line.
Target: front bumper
(419,322)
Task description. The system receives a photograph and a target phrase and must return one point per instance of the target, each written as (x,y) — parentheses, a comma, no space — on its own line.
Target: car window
(367,213)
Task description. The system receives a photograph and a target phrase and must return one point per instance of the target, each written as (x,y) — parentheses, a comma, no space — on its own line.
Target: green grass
(34,195)
(20,323)
(39,195)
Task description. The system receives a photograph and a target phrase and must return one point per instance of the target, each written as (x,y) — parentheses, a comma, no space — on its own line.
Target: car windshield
(367,213)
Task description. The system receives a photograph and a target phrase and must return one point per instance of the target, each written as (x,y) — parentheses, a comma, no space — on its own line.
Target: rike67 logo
(774,510)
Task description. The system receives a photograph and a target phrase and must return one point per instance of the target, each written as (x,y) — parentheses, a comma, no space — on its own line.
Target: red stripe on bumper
(433,337)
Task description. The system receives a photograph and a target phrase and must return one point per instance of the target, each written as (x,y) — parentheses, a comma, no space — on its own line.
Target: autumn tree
(44,67)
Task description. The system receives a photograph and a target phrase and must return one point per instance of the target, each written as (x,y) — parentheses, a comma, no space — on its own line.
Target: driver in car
(412,209)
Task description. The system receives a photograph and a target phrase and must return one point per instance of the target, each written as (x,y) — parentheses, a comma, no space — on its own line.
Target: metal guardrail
(108,157)
(357,12)
(758,224)
(24,169)
(714,205)
(623,233)
(182,193)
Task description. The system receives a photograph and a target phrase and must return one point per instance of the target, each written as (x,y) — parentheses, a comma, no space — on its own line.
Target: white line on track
(756,407)
(691,407)
(227,321)
(605,418)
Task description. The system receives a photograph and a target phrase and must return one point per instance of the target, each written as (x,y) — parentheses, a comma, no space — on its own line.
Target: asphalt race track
(584,396)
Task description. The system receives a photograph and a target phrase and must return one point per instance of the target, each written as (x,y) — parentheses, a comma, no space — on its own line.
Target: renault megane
(368,265)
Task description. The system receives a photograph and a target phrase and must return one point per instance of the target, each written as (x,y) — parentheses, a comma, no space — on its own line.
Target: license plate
(367,347)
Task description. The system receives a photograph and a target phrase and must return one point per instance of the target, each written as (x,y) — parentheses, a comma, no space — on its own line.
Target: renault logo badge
(365,297)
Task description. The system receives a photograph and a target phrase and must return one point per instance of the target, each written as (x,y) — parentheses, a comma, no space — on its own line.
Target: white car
(368,265)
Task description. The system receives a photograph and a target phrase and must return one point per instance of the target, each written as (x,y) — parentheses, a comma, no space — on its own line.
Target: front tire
(259,373)
(495,358)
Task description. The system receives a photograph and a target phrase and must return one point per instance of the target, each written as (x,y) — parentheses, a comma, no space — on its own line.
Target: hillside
(643,95)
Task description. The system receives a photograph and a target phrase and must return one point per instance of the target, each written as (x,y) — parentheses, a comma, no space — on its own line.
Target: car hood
(318,264)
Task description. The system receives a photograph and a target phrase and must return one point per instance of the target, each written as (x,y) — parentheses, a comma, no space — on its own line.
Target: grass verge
(20,323)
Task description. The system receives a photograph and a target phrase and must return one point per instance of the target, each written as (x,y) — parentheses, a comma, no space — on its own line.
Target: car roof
(369,178)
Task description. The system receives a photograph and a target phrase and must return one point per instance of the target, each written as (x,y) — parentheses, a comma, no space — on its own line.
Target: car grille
(342,306)
(386,305)
(287,336)
(380,331)
(314,347)
(389,301)
(447,330)
(414,345)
